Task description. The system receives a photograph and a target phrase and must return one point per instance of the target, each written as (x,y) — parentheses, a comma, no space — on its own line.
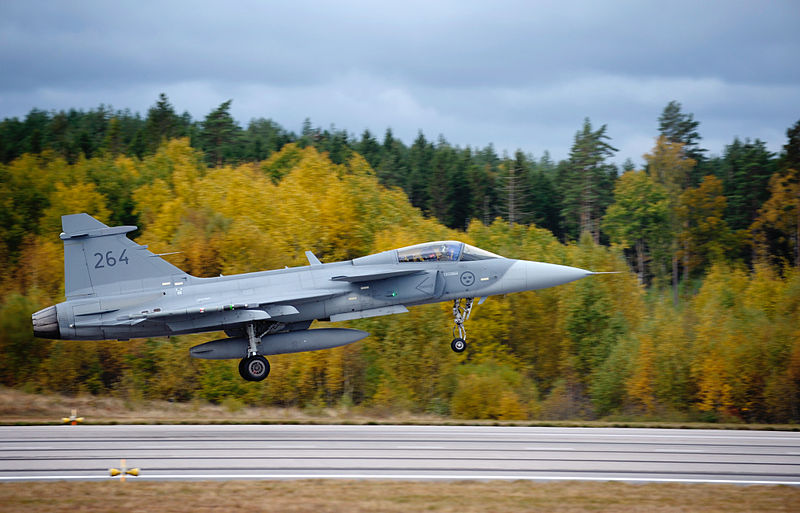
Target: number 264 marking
(109,259)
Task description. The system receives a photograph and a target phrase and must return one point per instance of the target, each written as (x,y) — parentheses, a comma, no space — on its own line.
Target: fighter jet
(117,289)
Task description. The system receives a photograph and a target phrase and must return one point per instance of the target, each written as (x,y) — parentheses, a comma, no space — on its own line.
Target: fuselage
(362,287)
(117,289)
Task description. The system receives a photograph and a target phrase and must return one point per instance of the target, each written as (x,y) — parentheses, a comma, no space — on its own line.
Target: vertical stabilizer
(102,259)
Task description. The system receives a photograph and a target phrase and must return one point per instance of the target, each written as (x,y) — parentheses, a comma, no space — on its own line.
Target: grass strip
(18,408)
(389,496)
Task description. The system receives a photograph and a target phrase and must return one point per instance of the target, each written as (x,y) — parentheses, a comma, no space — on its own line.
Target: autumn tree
(639,219)
(679,127)
(776,230)
(669,166)
(704,236)
(745,339)
(598,347)
(113,140)
(21,351)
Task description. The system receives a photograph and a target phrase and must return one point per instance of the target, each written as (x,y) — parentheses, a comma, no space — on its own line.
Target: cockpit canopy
(443,251)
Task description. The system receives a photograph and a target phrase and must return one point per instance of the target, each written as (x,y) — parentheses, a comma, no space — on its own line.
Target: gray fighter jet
(117,289)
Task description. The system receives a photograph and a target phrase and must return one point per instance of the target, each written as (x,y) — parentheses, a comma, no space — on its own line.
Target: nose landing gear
(458,345)
(460,315)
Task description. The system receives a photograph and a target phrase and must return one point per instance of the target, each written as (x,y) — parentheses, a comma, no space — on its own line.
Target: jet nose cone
(539,275)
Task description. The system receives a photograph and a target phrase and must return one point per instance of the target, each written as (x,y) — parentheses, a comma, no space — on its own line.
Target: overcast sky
(518,74)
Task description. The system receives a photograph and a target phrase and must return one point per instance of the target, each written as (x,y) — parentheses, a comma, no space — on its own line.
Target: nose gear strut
(460,315)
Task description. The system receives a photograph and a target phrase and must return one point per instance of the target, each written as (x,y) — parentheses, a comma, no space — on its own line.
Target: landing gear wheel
(458,345)
(254,368)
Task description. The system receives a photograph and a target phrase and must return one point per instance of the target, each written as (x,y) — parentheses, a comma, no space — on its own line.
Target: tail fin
(101,260)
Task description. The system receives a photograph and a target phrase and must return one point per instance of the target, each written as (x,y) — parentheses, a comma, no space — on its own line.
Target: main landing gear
(253,367)
(460,315)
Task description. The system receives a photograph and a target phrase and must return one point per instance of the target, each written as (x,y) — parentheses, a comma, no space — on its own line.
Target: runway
(205,452)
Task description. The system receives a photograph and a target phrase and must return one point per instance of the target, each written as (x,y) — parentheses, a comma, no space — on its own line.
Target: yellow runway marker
(73,418)
(123,471)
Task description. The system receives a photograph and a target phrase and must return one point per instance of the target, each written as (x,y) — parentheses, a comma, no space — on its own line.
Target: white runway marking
(31,448)
(678,450)
(689,435)
(549,448)
(413,477)
(275,446)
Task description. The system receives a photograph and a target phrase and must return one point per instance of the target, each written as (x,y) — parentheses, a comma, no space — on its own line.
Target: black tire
(458,345)
(242,371)
(254,368)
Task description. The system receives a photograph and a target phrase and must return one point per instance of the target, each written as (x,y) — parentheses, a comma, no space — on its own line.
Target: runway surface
(400,452)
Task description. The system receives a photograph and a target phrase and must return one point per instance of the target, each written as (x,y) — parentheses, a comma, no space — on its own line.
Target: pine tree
(438,179)
(746,169)
(369,148)
(459,193)
(681,128)
(587,181)
(484,183)
(393,167)
(543,203)
(513,187)
(113,140)
(416,185)
(791,150)
(219,135)
(161,123)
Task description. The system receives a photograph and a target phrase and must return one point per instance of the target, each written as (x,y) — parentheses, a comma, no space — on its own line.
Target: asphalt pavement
(223,452)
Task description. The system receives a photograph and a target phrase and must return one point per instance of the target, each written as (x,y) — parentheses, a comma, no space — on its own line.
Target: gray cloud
(518,74)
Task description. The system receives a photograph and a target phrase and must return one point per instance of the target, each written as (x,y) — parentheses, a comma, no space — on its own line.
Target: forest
(701,325)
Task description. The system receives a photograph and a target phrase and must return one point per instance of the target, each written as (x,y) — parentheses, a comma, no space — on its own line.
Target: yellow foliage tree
(641,384)
(704,237)
(73,199)
(781,213)
(669,166)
